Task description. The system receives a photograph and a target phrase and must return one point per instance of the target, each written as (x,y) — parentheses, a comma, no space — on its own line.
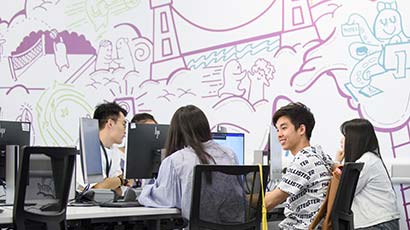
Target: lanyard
(107,165)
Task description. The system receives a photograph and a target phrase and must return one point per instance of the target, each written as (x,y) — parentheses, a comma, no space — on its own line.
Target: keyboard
(121,204)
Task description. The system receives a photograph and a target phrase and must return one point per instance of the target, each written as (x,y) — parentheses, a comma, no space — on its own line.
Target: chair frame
(52,219)
(195,223)
(342,215)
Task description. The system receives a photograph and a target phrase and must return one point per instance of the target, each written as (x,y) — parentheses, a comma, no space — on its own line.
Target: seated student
(112,126)
(139,118)
(374,205)
(307,177)
(144,118)
(189,143)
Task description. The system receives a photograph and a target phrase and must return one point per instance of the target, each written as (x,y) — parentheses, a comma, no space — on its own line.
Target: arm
(110,183)
(274,198)
(166,189)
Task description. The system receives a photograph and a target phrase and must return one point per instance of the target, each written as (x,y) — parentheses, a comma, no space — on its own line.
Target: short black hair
(298,114)
(142,117)
(110,110)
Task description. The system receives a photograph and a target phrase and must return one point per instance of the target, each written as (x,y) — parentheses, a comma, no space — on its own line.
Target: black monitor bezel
(143,153)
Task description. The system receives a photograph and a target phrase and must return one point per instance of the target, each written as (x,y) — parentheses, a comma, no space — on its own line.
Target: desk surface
(77,213)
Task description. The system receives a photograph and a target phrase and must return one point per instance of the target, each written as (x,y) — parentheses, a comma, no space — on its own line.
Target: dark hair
(142,117)
(110,110)
(359,139)
(189,127)
(299,114)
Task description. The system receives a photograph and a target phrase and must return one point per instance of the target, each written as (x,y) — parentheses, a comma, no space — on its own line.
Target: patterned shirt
(306,180)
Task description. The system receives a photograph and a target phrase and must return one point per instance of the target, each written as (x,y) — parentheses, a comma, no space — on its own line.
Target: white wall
(237,60)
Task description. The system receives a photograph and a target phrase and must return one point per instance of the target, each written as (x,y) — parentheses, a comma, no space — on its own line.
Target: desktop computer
(144,146)
(13,135)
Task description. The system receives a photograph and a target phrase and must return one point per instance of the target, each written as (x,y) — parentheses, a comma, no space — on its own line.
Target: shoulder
(371,161)
(368,157)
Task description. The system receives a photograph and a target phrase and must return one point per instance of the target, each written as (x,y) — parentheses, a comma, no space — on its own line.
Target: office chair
(342,215)
(42,187)
(227,197)
(336,209)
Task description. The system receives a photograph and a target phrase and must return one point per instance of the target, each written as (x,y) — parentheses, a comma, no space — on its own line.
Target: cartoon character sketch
(261,73)
(124,56)
(232,77)
(60,51)
(375,47)
(104,56)
(2,41)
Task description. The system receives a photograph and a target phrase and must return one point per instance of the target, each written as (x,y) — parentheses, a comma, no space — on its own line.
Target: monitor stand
(12,160)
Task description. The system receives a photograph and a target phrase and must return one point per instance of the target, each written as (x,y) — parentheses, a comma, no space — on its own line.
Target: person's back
(184,162)
(188,144)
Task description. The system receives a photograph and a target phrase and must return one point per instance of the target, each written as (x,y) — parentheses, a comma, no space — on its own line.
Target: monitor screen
(90,151)
(275,150)
(143,150)
(234,141)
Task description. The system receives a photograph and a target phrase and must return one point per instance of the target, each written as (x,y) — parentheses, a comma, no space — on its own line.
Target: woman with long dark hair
(374,205)
(189,143)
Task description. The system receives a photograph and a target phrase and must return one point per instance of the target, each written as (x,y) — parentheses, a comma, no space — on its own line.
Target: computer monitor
(143,150)
(234,141)
(276,155)
(14,133)
(90,151)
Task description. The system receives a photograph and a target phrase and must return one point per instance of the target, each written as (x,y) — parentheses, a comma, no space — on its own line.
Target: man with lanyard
(112,127)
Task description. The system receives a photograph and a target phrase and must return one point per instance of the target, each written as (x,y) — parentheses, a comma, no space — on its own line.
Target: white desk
(100,214)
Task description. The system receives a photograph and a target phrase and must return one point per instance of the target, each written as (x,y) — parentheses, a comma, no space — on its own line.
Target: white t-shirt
(114,156)
(375,200)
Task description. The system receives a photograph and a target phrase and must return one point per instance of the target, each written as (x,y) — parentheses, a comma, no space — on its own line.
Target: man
(112,127)
(307,177)
(144,118)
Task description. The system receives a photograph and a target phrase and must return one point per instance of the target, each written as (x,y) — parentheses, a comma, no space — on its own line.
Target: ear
(302,129)
(110,123)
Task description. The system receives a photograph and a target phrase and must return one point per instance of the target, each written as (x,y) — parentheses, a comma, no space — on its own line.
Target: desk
(98,214)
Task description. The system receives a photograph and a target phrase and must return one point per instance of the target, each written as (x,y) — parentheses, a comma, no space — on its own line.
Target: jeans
(389,225)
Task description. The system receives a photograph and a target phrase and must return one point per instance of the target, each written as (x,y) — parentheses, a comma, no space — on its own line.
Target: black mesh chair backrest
(227,197)
(342,215)
(42,187)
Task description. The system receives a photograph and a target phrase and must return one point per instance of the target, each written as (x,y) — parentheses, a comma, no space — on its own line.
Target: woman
(374,205)
(189,143)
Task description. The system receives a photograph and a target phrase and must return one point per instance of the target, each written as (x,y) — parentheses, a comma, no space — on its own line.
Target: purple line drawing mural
(2,41)
(60,51)
(237,63)
(167,54)
(232,78)
(104,56)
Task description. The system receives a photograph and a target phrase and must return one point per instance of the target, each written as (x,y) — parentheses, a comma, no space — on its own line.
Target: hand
(340,155)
